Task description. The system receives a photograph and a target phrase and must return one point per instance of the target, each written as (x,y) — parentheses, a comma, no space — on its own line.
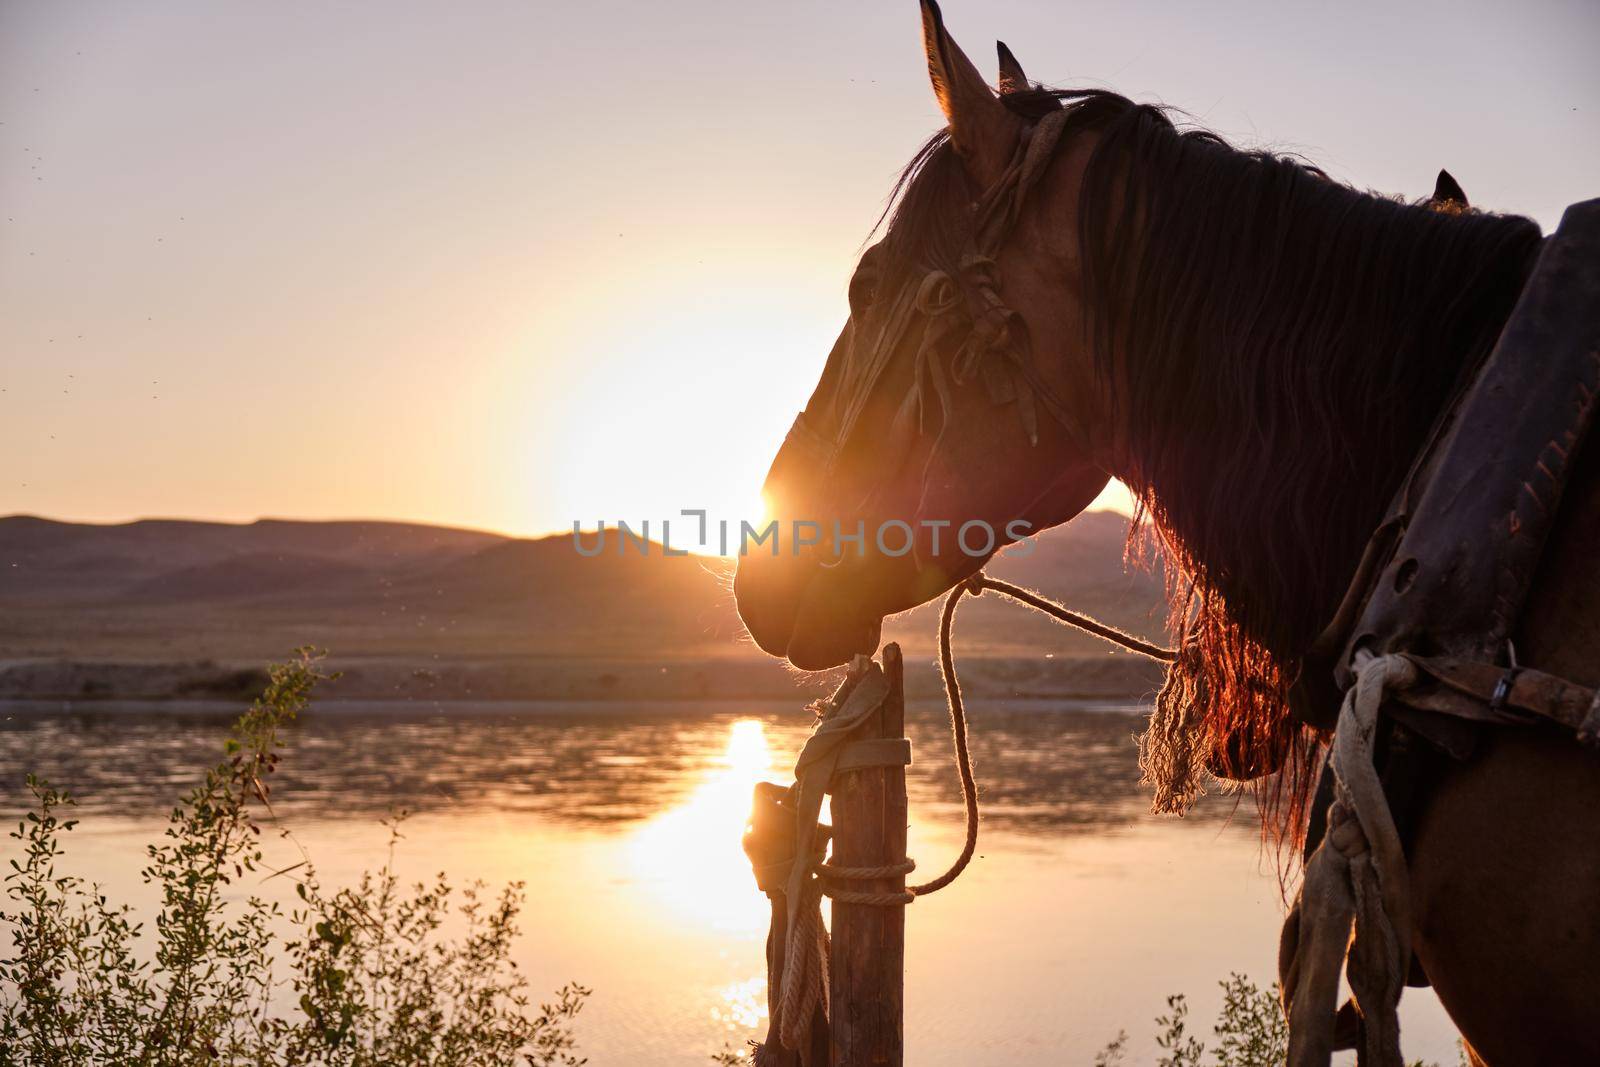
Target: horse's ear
(982,130)
(1446,188)
(1012,79)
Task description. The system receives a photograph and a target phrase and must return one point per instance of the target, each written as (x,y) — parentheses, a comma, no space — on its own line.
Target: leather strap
(875,752)
(1512,696)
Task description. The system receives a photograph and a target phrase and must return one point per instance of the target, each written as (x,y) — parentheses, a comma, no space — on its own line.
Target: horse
(1258,352)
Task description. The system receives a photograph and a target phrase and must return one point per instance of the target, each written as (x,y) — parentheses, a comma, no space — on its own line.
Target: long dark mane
(1278,345)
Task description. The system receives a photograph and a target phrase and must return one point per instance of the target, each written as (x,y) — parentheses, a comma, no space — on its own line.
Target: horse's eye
(863,290)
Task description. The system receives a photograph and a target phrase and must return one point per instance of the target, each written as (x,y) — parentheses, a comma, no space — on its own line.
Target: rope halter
(967,332)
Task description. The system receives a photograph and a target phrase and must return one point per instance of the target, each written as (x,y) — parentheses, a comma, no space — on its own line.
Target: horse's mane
(1278,345)
(927,219)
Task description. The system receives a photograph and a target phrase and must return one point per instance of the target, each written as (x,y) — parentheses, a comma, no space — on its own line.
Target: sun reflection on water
(690,855)
(742,1005)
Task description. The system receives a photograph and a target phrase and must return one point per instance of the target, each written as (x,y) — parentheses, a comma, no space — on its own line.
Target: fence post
(867,970)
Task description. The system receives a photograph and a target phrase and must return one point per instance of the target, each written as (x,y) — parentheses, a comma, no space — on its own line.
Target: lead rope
(1354,905)
(1355,901)
(802,979)
(975,586)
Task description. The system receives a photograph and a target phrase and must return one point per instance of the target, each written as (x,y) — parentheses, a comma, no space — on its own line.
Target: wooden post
(867,971)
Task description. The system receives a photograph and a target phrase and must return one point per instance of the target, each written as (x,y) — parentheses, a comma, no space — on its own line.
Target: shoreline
(583,683)
(664,708)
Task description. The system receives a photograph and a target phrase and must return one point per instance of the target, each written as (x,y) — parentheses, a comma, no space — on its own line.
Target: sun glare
(747,748)
(690,856)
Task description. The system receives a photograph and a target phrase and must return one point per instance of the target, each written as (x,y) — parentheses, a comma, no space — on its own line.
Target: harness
(966,306)
(1424,639)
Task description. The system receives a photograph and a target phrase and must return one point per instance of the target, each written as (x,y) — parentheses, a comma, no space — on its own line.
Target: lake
(1078,917)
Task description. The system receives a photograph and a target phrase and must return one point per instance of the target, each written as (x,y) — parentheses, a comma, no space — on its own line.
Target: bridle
(966,310)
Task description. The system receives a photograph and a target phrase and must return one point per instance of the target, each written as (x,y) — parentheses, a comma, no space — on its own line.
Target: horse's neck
(1286,476)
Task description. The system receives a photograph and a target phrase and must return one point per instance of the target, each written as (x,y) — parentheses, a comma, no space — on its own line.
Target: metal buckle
(1589,728)
(1502,688)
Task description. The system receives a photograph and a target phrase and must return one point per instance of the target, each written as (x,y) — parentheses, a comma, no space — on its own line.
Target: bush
(371,980)
(1251,1032)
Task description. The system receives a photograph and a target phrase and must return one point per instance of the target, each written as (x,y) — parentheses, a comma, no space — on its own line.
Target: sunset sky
(509,265)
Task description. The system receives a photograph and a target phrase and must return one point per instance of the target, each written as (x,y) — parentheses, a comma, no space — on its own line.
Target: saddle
(1446,574)
(1421,643)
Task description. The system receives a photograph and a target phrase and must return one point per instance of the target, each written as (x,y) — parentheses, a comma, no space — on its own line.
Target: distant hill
(408,607)
(49,560)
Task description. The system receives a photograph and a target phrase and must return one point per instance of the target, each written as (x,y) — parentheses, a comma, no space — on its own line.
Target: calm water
(1080,914)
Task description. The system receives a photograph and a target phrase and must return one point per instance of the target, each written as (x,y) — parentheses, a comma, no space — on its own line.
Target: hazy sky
(511,264)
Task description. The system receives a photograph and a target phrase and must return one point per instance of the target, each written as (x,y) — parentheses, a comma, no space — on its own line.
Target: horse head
(953,413)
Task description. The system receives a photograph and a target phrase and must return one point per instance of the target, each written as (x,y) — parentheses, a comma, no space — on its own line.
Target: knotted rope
(804,978)
(804,983)
(1356,878)
(953,315)
(829,873)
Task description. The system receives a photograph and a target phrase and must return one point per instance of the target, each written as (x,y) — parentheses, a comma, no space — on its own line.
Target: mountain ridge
(398,601)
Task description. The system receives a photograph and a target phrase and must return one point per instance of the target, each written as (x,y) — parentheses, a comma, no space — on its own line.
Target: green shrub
(371,980)
(1250,1031)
